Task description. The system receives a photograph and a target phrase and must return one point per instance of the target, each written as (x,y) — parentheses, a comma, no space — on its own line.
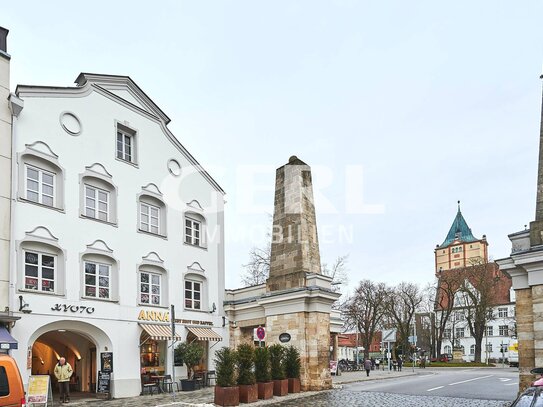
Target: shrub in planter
(280,382)
(226,391)
(263,373)
(190,354)
(292,368)
(248,390)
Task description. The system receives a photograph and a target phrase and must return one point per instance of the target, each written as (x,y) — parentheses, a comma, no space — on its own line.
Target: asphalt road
(470,383)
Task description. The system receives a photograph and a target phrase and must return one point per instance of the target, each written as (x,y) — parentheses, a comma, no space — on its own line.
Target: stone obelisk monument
(298,297)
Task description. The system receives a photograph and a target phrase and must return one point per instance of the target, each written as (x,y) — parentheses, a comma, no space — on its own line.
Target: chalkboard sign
(104,382)
(106,362)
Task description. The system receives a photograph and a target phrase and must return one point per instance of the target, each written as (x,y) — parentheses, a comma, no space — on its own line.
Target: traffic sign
(260,333)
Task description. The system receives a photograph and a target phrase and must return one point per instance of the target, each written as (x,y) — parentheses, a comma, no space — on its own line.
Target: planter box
(248,393)
(265,390)
(188,385)
(280,387)
(294,385)
(226,396)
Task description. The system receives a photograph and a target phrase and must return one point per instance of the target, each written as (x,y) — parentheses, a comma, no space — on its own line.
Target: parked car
(12,392)
(445,357)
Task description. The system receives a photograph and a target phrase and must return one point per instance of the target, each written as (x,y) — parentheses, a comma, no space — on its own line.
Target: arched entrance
(79,342)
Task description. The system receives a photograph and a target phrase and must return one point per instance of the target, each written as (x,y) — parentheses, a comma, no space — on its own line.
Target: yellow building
(460,247)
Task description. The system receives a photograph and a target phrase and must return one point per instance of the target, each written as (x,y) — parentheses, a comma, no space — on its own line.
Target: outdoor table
(159,381)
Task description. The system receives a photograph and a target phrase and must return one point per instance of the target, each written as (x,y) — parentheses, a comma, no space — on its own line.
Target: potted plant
(248,390)
(292,368)
(190,354)
(226,391)
(263,373)
(280,382)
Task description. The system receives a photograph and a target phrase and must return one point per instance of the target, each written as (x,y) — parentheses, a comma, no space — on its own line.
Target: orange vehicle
(12,392)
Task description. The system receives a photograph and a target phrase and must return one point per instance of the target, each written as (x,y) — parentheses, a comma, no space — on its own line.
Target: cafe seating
(168,384)
(148,385)
(199,379)
(210,376)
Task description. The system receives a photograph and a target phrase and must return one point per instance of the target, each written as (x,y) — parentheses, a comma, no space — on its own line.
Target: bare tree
(364,311)
(338,272)
(443,304)
(401,304)
(257,269)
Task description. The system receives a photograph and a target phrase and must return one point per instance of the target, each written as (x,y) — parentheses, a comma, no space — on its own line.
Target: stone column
(335,345)
(525,334)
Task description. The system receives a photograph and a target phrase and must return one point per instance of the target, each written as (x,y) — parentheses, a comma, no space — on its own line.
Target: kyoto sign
(77,309)
(161,316)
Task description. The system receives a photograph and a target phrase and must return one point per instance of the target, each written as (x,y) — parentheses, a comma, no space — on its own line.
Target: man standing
(400,364)
(63,372)
(367,366)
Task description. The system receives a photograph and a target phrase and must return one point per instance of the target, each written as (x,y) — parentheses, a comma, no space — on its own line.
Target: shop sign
(106,362)
(161,316)
(73,308)
(104,382)
(39,389)
(192,322)
(284,337)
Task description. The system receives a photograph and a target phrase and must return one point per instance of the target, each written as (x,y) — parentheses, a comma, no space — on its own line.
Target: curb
(381,378)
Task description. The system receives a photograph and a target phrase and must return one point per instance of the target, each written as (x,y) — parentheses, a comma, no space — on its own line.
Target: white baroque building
(113,221)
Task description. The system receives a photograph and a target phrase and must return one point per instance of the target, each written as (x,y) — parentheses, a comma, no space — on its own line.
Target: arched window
(99,273)
(195,288)
(41,178)
(98,195)
(472,350)
(152,281)
(152,211)
(447,349)
(42,263)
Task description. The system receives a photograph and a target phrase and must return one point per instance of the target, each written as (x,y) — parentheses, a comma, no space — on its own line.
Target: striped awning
(204,334)
(159,332)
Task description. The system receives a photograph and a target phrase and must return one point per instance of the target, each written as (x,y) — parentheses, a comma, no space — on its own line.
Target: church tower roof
(459,231)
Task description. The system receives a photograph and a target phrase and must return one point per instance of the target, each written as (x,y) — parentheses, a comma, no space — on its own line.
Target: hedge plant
(246,364)
(225,367)
(262,365)
(276,361)
(292,362)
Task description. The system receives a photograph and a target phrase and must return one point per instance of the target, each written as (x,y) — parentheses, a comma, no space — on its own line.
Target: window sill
(54,208)
(29,291)
(144,232)
(84,297)
(142,304)
(135,165)
(201,311)
(114,224)
(195,246)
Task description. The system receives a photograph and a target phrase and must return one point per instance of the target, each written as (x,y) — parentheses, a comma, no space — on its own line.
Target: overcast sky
(401,108)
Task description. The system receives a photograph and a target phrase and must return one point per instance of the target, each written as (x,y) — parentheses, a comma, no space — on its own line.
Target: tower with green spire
(460,246)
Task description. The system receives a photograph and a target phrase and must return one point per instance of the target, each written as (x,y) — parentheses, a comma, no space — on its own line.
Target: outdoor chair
(148,385)
(210,376)
(199,379)
(169,383)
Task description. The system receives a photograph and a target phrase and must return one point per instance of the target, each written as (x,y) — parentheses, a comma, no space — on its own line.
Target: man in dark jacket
(367,366)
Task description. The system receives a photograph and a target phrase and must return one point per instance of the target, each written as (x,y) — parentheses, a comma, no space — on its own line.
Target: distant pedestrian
(423,362)
(400,364)
(377,361)
(372,364)
(63,372)
(367,366)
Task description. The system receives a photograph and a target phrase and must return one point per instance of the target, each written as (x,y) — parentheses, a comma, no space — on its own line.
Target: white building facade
(113,221)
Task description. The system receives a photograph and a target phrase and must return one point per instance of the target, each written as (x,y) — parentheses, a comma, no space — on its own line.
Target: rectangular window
(489,347)
(39,271)
(447,333)
(490,314)
(97,280)
(460,316)
(489,331)
(149,288)
(504,330)
(459,332)
(149,218)
(125,146)
(193,295)
(192,232)
(40,186)
(502,312)
(96,203)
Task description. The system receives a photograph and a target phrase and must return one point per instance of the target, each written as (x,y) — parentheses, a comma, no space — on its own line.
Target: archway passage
(78,350)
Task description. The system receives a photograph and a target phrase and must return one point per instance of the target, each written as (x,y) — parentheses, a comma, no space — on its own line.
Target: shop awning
(6,340)
(204,334)
(159,332)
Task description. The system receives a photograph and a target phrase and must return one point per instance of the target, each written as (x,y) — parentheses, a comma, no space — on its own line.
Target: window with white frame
(192,231)
(150,288)
(97,203)
(97,280)
(40,185)
(193,295)
(472,350)
(39,271)
(504,330)
(459,332)
(149,218)
(490,314)
(460,316)
(502,312)
(489,331)
(125,145)
(489,347)
(447,333)
(447,349)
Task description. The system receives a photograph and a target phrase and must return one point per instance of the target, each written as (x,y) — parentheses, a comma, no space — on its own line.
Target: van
(12,393)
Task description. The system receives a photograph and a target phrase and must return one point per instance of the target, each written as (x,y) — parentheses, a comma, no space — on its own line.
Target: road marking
(503,379)
(510,384)
(470,380)
(435,388)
